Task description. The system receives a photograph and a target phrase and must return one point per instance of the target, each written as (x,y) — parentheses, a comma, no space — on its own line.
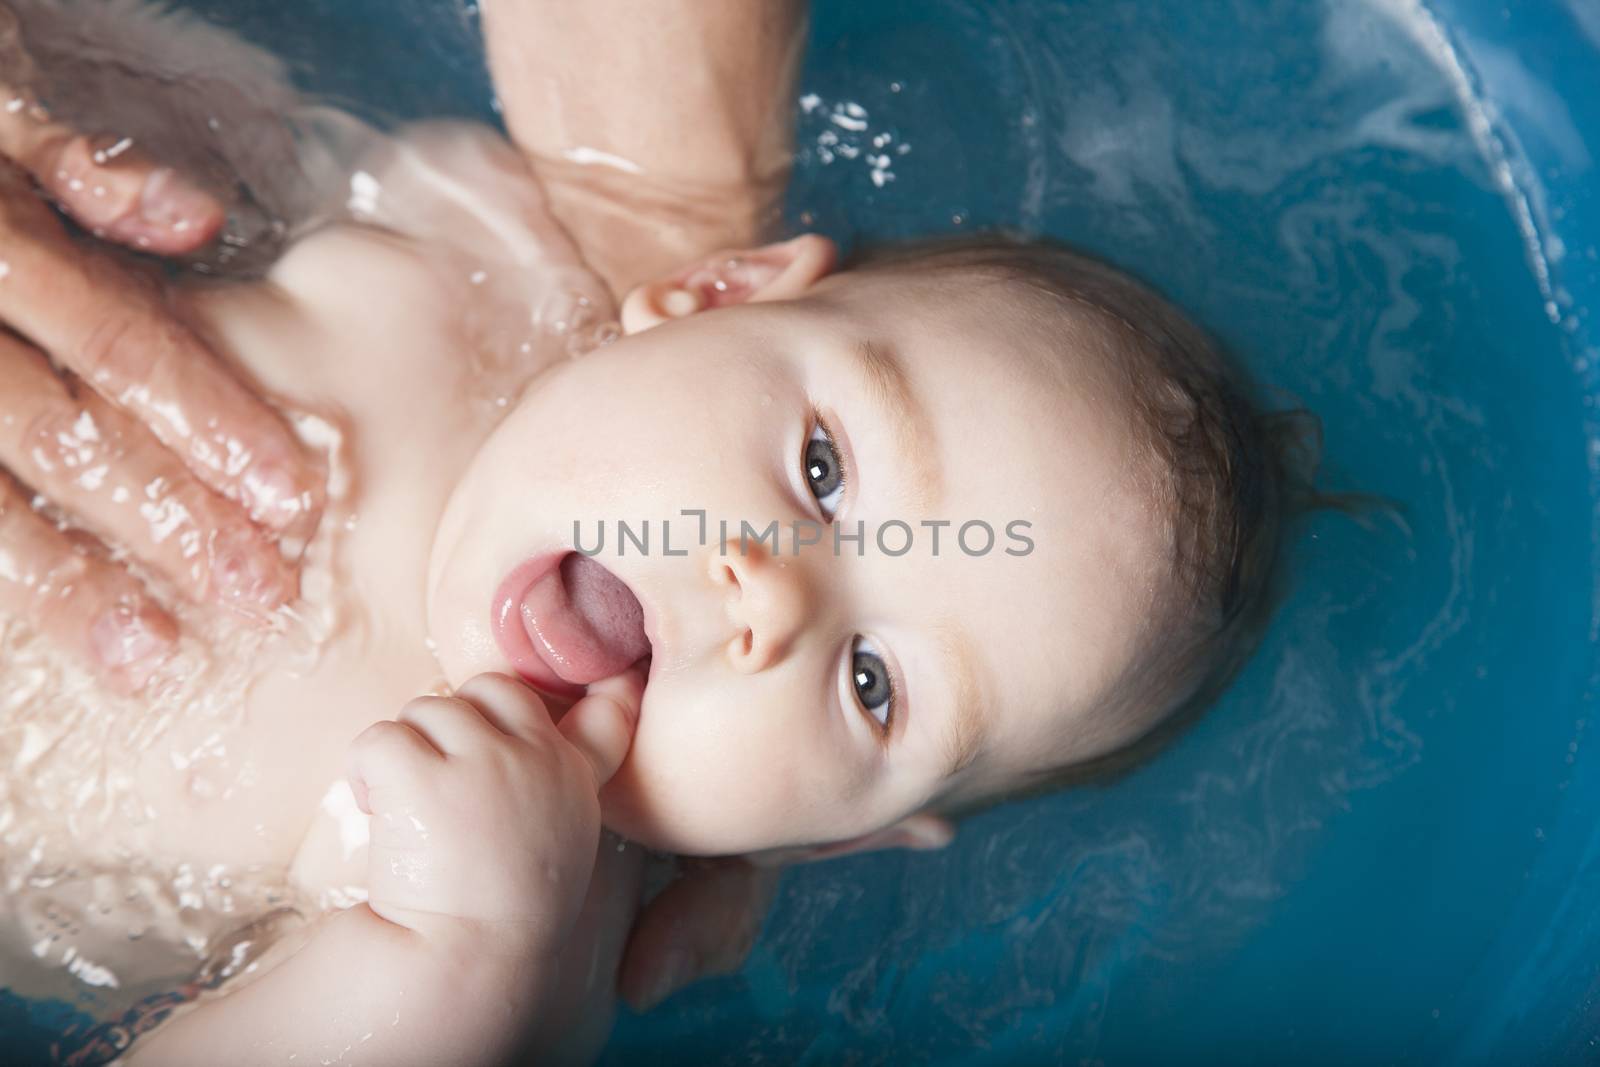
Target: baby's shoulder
(449,183)
(445,215)
(437,256)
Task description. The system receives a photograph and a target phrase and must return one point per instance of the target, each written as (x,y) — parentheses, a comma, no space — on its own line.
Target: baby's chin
(621,815)
(690,829)
(663,827)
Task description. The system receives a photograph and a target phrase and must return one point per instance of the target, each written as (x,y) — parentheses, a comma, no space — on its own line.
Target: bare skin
(752,734)
(451,955)
(856,783)
(681,148)
(450,494)
(95,371)
(408,388)
(703,110)
(449,877)
(706,921)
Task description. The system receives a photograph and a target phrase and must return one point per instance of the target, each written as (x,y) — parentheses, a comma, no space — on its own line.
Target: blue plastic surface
(1382,846)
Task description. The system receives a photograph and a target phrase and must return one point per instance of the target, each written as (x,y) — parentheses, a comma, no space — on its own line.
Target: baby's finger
(85,605)
(601,725)
(99,465)
(508,705)
(384,756)
(451,725)
(106,184)
(119,336)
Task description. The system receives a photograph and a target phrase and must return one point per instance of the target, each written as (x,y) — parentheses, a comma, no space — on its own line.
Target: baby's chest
(446,289)
(139,842)
(239,796)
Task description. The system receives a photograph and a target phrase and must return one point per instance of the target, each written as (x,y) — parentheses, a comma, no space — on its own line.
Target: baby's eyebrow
(890,387)
(968,721)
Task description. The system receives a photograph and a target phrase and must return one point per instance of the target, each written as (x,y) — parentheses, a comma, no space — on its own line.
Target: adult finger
(118,335)
(601,724)
(106,183)
(81,603)
(704,923)
(98,465)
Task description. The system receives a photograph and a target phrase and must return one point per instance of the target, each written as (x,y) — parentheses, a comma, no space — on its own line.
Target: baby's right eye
(870,681)
(824,470)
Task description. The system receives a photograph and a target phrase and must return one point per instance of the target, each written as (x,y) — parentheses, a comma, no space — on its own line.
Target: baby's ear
(921,831)
(772,272)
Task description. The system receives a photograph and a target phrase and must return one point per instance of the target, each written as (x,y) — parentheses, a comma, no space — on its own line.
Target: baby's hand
(485,814)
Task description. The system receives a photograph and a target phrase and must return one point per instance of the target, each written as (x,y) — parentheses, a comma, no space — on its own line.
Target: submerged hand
(116,414)
(703,924)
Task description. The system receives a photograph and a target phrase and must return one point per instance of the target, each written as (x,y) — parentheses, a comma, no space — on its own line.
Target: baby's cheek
(461,640)
(723,764)
(671,792)
(632,807)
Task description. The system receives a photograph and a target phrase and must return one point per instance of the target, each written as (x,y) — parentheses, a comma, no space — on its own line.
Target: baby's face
(813,694)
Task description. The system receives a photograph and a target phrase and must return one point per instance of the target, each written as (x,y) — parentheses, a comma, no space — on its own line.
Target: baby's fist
(485,815)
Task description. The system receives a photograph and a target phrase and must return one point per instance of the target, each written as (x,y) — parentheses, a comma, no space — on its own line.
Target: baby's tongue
(585,623)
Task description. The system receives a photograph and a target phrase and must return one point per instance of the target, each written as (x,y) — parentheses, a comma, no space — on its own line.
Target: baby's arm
(363,990)
(661,131)
(485,826)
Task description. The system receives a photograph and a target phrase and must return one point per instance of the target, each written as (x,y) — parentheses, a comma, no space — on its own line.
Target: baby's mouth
(564,621)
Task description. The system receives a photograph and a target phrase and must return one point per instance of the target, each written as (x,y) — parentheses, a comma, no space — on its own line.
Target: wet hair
(1228,474)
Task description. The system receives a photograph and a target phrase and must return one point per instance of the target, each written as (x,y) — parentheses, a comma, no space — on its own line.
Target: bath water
(1380,844)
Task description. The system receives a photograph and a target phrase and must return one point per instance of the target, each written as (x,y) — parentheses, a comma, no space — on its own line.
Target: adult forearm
(644,115)
(362,991)
(690,91)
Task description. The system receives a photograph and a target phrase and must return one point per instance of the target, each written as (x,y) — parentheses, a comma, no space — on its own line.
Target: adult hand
(114,413)
(706,922)
(703,924)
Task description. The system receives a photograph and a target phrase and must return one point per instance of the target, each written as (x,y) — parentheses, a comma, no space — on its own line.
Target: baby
(789,559)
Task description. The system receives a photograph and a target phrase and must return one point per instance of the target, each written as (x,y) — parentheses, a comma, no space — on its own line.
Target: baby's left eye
(823,470)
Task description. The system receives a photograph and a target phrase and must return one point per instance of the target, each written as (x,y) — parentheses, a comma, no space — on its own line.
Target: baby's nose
(766,598)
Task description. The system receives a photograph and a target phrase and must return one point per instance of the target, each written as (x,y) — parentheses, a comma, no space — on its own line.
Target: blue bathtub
(1383,845)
